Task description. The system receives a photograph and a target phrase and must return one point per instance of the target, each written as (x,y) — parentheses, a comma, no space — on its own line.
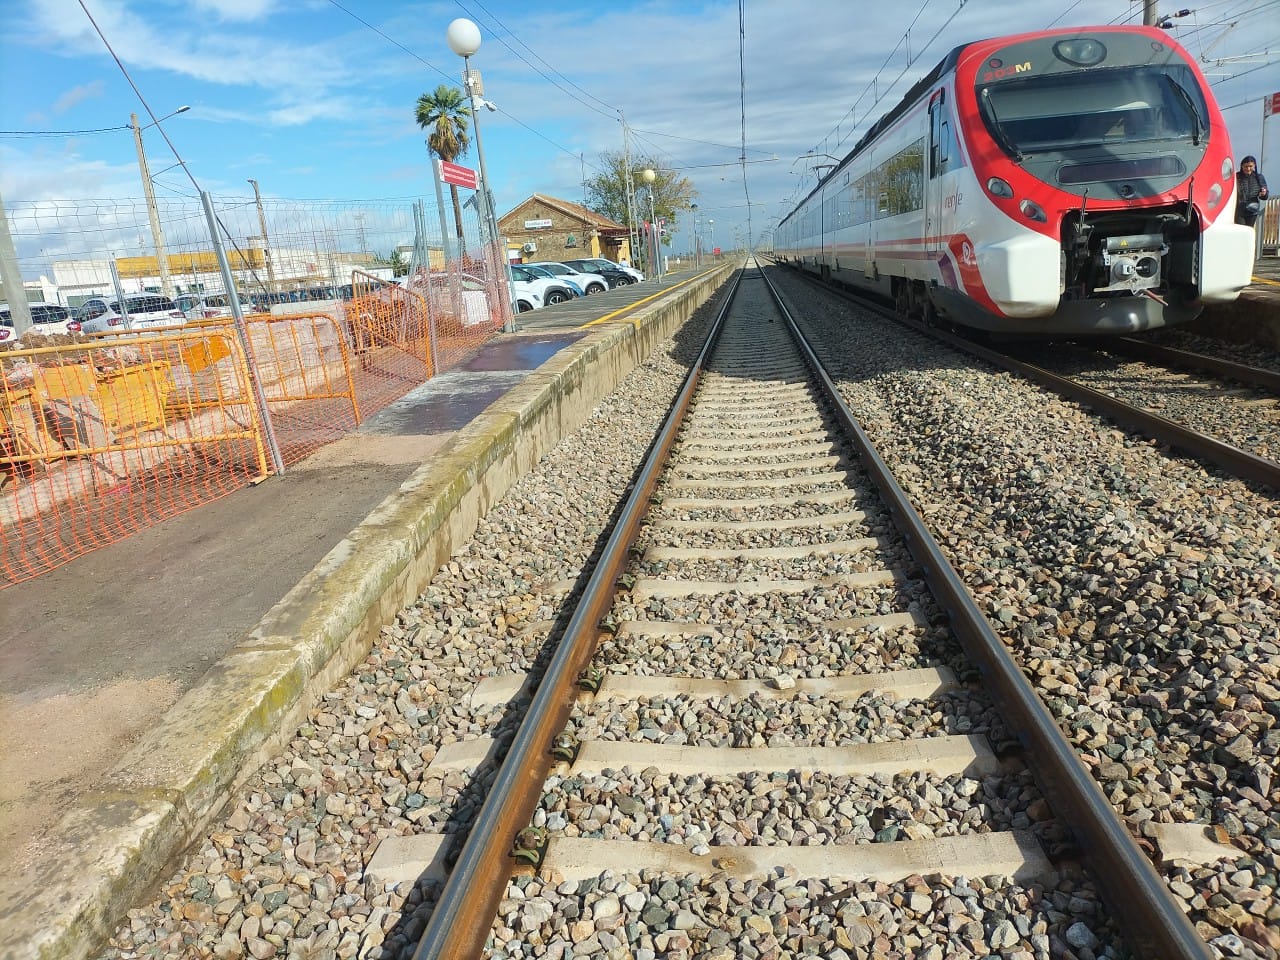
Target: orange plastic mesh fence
(102,435)
(428,322)
(100,438)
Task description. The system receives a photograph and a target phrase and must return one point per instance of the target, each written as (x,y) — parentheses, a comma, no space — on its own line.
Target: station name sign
(459,176)
(537,224)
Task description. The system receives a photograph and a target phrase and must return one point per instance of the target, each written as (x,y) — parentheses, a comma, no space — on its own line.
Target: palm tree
(446,115)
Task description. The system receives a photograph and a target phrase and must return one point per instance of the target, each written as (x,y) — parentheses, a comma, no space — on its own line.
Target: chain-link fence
(143,394)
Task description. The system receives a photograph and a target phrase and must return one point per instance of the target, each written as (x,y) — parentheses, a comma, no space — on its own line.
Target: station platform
(141,683)
(1265,288)
(1254,317)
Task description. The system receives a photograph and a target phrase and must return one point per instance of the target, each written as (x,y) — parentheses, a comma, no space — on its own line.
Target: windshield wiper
(1181,91)
(1002,138)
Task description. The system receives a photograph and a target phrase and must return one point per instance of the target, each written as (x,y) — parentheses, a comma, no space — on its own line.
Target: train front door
(940,196)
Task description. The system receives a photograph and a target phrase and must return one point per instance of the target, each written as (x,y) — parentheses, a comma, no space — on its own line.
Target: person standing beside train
(1251,190)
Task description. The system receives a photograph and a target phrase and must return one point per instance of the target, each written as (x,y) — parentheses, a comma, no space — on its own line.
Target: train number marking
(1011,70)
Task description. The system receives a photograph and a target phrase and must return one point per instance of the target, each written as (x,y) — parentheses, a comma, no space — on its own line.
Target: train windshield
(1061,112)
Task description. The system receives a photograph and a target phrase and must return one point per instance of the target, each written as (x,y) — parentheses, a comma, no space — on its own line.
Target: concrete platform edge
(114,845)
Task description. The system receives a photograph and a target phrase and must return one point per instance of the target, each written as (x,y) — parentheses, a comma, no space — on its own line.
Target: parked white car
(527,295)
(553,289)
(207,307)
(46,318)
(141,311)
(587,282)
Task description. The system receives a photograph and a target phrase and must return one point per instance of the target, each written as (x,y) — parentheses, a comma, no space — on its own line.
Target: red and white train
(1063,182)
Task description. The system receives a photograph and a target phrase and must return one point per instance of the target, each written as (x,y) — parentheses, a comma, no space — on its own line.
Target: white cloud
(75,95)
(194,48)
(239,10)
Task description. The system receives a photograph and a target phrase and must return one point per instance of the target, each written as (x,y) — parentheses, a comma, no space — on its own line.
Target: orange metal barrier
(102,435)
(304,365)
(98,439)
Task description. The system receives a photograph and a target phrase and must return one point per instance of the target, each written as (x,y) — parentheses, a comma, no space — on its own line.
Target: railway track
(759,700)
(1243,444)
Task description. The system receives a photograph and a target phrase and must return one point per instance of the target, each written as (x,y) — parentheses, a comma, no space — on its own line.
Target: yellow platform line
(1274,283)
(642,302)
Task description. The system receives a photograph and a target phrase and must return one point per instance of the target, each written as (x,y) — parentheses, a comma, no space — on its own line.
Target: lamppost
(464,40)
(157,238)
(266,250)
(649,176)
(711,228)
(697,249)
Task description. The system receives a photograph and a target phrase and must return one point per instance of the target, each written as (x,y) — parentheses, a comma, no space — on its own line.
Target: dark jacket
(1249,185)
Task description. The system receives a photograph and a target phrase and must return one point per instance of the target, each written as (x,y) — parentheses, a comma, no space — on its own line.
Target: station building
(547,228)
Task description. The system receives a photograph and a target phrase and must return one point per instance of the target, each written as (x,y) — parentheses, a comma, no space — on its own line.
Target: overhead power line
(61,133)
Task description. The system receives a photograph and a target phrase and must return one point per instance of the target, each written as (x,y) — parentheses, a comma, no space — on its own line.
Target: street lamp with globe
(649,176)
(464,40)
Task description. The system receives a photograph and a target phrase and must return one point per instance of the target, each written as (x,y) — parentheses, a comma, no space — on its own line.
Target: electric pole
(11,276)
(162,259)
(266,251)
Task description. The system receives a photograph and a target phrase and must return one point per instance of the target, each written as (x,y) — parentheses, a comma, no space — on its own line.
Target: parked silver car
(208,306)
(588,283)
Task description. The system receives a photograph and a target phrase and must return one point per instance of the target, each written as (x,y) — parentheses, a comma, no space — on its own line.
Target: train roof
(943,66)
(946,63)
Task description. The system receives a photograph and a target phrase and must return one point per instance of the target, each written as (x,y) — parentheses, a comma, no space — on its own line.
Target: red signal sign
(457,175)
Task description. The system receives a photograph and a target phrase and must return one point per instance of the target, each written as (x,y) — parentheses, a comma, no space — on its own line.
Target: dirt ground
(94,652)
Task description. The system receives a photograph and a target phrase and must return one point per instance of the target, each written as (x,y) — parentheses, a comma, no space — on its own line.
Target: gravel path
(281,874)
(1243,416)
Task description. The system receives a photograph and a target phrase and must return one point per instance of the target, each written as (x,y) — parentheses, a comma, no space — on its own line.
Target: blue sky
(314,98)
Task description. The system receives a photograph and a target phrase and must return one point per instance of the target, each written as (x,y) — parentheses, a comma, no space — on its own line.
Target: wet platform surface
(1266,281)
(452,399)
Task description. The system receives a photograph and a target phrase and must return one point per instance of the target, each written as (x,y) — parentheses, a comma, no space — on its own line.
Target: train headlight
(999,188)
(1033,211)
(1215,195)
(1080,51)
(1228,168)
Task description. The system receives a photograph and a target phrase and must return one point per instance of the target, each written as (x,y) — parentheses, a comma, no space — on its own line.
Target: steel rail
(1237,462)
(1253,376)
(1153,923)
(463,916)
